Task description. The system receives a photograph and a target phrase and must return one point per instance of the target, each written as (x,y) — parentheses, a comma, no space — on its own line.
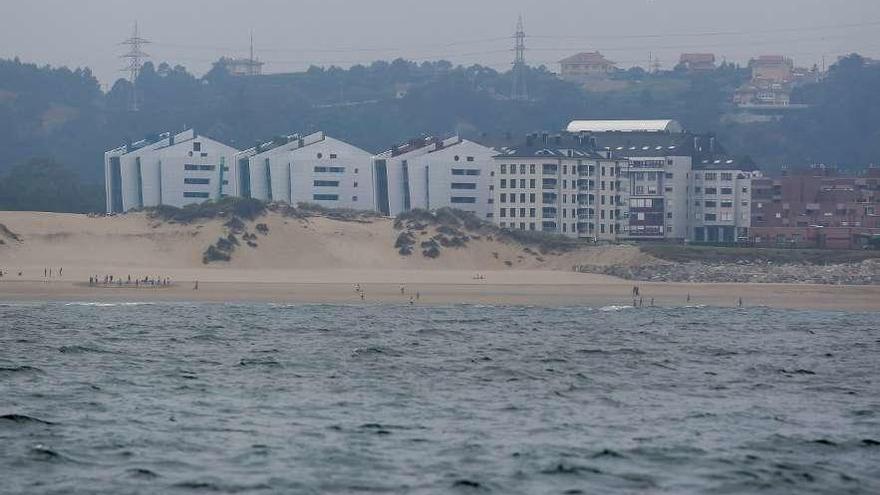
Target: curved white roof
(624,126)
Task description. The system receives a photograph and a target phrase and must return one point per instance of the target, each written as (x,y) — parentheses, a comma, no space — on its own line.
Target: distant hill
(62,114)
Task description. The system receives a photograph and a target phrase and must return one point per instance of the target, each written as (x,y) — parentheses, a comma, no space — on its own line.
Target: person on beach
(60,272)
(411,300)
(652,302)
(402,289)
(417,295)
(740,302)
(362,295)
(196,287)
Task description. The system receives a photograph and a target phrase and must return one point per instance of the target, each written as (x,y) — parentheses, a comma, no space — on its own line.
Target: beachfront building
(432,173)
(721,195)
(167,169)
(313,168)
(656,158)
(558,184)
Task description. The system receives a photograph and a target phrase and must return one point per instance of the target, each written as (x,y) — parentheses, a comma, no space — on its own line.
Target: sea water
(259,398)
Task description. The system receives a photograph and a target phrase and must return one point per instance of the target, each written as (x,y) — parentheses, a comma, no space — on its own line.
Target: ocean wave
(108,305)
(612,308)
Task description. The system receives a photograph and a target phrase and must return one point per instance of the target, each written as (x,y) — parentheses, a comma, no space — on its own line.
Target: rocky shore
(863,273)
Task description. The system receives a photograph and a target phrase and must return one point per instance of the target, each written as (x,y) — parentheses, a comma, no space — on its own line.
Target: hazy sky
(290,35)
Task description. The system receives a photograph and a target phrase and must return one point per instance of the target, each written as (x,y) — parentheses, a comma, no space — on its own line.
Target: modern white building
(431,173)
(168,169)
(558,184)
(307,169)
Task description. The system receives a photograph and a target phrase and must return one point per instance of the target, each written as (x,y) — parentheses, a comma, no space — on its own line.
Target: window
(470,159)
(532,198)
(320,169)
(332,156)
(503,198)
(532,170)
(710,217)
(503,169)
(503,184)
(522,168)
(356,171)
(326,183)
(191,194)
(532,212)
(461,171)
(669,175)
(726,216)
(727,204)
(698,189)
(522,212)
(513,213)
(207,168)
(355,184)
(503,214)
(190,180)
(711,176)
(354,199)
(532,184)
(711,204)
(190,167)
(204,155)
(197,146)
(726,190)
(522,197)
(463,185)
(726,176)
(336,170)
(522,183)
(225,182)
(711,190)
(320,155)
(325,197)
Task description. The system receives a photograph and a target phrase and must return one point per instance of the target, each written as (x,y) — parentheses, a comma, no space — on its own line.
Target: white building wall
(442,177)
(329,169)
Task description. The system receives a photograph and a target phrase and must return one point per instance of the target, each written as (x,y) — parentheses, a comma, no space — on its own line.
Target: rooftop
(669,126)
(590,58)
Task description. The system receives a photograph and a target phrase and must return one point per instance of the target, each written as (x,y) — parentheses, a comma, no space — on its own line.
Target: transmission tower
(520,91)
(135,57)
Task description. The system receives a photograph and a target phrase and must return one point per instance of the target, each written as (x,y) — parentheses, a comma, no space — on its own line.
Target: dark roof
(720,162)
(545,145)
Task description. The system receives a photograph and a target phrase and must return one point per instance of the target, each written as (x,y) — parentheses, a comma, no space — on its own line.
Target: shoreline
(511,288)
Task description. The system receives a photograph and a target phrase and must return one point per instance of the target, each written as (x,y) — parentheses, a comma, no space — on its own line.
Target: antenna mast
(520,91)
(135,57)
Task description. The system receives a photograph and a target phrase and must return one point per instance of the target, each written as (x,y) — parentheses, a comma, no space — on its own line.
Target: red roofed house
(697,62)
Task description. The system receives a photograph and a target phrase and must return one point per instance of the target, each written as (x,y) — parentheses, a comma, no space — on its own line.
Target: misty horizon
(631,33)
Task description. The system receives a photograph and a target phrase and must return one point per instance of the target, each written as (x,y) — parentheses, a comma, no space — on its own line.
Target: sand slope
(134,242)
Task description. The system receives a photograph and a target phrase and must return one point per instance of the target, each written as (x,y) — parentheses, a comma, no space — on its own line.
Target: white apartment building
(558,184)
(307,169)
(169,169)
(431,173)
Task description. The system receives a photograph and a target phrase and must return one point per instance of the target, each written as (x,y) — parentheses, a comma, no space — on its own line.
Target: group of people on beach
(359,290)
(638,301)
(114,281)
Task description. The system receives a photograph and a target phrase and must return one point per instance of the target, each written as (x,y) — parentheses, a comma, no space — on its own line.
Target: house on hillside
(583,67)
(697,62)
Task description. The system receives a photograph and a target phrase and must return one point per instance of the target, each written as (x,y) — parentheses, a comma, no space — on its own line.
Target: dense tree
(45,185)
(62,113)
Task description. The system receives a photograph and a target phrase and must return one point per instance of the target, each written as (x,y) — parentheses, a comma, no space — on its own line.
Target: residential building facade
(168,169)
(432,173)
(314,168)
(583,67)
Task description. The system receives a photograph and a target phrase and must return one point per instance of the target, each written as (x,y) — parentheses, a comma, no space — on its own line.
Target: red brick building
(817,208)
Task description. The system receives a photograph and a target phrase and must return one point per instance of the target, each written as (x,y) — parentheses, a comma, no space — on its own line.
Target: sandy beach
(320,260)
(499,288)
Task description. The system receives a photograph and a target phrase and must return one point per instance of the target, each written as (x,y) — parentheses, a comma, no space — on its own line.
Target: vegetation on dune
(456,228)
(246,208)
